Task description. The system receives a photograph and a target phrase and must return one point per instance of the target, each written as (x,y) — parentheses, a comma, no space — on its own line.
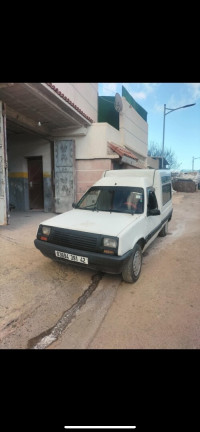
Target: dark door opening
(35,182)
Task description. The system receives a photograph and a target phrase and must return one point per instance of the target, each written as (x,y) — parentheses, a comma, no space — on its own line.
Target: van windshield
(113,199)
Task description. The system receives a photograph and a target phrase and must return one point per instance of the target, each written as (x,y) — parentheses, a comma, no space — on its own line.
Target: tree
(156,151)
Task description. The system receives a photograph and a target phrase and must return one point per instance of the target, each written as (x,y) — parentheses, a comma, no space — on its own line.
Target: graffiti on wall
(64,175)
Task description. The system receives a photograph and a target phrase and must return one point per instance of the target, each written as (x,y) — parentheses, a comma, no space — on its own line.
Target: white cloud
(158,107)
(140,91)
(139,95)
(150,87)
(194,89)
(177,95)
(189,94)
(175,101)
(108,89)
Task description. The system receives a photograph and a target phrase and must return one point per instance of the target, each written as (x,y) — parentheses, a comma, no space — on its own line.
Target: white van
(112,224)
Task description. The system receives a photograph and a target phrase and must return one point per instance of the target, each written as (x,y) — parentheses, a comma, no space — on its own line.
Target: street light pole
(193,162)
(165,113)
(163,133)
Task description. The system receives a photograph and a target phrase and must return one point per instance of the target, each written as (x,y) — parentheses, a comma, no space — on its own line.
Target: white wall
(26,146)
(133,132)
(133,129)
(152,163)
(84,95)
(94,144)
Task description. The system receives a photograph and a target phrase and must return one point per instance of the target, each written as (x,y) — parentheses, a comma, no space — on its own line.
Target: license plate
(71,257)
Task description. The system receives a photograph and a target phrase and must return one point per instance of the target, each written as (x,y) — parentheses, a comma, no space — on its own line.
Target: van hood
(98,222)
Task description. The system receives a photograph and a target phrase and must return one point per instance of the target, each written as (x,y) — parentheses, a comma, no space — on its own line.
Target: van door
(152,222)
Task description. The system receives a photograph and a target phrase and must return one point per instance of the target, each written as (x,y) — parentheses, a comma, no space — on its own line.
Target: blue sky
(182,127)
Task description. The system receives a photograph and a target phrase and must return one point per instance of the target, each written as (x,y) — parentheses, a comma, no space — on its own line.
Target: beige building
(56,139)
(118,140)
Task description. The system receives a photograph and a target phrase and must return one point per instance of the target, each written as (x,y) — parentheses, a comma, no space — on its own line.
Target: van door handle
(31,184)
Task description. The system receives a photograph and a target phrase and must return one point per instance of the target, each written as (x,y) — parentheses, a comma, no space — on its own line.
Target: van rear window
(166,193)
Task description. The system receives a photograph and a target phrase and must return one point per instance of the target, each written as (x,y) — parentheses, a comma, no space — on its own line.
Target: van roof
(142,182)
(136,173)
(131,177)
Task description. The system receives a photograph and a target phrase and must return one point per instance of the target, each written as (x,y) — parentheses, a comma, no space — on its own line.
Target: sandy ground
(161,310)
(34,290)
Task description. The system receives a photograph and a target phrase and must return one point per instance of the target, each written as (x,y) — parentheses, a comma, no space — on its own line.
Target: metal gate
(4,198)
(64,175)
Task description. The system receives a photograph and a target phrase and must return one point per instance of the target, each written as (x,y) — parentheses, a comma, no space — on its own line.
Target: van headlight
(110,242)
(46,230)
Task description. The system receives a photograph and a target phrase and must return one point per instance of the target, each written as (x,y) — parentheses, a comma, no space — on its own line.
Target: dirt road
(47,305)
(162,310)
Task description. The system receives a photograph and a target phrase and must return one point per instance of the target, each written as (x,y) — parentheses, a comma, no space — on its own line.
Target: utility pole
(193,158)
(165,113)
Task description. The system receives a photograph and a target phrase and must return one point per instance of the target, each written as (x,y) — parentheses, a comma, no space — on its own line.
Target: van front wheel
(132,268)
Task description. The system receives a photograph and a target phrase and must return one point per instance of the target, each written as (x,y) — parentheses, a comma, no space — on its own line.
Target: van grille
(73,239)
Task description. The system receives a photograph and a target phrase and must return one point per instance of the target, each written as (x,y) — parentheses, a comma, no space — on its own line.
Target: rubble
(186,181)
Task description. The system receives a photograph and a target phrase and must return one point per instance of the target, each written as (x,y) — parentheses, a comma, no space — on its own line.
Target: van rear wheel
(164,230)
(132,268)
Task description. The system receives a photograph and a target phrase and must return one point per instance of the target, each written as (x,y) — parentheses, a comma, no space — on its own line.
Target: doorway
(35,183)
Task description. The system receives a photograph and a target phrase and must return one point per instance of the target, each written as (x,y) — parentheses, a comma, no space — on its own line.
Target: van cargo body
(112,224)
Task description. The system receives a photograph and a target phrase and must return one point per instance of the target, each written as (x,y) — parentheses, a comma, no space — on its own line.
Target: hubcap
(137,263)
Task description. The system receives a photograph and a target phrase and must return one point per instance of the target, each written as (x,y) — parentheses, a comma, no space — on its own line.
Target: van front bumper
(96,261)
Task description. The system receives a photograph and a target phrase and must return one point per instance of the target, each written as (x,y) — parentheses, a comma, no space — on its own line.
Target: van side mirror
(153,212)
(74,205)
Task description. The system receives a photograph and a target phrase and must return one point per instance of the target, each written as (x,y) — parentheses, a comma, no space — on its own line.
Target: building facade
(56,140)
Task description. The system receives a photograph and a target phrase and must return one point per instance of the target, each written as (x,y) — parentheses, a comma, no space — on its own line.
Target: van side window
(166,193)
(152,200)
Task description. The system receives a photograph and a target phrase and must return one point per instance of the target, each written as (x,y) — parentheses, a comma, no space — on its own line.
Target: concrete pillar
(3,171)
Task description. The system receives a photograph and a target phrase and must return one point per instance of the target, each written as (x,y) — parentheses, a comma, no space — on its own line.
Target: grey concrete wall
(48,195)
(18,193)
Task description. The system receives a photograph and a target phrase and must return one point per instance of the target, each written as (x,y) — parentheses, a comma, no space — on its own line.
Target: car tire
(164,230)
(132,267)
